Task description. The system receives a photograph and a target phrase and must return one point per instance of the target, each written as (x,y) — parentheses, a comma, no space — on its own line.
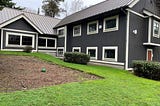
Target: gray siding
(0,39)
(136,49)
(115,38)
(60,42)
(18,48)
(21,24)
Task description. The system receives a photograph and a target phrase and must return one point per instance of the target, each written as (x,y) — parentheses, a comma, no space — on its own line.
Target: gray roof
(44,23)
(102,7)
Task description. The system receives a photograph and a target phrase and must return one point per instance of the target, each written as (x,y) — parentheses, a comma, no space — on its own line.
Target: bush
(150,70)
(28,49)
(79,58)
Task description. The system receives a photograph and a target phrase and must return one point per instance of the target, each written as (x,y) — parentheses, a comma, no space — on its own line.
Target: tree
(74,6)
(8,3)
(51,7)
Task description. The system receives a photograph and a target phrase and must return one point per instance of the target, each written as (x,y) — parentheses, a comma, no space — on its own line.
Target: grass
(118,88)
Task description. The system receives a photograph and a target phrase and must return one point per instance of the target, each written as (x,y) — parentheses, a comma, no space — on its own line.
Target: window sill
(110,30)
(76,35)
(46,47)
(156,36)
(19,46)
(92,33)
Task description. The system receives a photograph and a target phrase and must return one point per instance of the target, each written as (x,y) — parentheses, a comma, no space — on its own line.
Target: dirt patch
(24,72)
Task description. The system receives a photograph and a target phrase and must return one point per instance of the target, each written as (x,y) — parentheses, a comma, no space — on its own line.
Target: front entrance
(149,54)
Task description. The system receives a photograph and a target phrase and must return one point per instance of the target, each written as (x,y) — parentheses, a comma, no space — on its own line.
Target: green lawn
(118,88)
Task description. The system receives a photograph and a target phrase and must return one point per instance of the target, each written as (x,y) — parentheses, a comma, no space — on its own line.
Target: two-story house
(113,32)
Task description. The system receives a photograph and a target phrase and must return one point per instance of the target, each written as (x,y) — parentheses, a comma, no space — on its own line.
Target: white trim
(111,29)
(130,69)
(147,54)
(95,48)
(79,48)
(16,50)
(149,29)
(133,3)
(19,17)
(105,62)
(151,44)
(136,13)
(75,35)
(94,32)
(156,35)
(58,49)
(62,28)
(1,39)
(110,48)
(150,14)
(21,35)
(65,42)
(46,47)
(127,40)
(22,31)
(48,51)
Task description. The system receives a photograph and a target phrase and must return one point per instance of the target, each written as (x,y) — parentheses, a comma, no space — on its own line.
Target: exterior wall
(21,24)
(60,42)
(114,38)
(137,51)
(0,39)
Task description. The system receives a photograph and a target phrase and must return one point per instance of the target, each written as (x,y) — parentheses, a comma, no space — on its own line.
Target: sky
(35,4)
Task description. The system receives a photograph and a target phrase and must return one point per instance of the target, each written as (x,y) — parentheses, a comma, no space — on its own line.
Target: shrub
(150,70)
(28,49)
(79,58)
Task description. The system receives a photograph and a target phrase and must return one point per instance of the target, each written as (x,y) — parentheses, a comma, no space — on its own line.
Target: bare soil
(24,72)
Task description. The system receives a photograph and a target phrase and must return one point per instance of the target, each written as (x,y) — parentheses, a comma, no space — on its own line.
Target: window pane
(60,52)
(156,28)
(50,43)
(110,23)
(92,52)
(109,54)
(93,27)
(76,50)
(77,30)
(61,32)
(14,39)
(26,40)
(42,42)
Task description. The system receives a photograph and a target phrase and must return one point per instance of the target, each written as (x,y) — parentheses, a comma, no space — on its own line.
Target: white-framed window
(92,52)
(76,49)
(60,51)
(61,32)
(156,29)
(49,43)
(110,54)
(77,30)
(92,27)
(19,40)
(111,24)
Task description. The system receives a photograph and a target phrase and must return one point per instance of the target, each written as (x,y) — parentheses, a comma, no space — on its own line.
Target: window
(19,40)
(61,32)
(110,53)
(47,42)
(77,30)
(76,49)
(92,52)
(111,24)
(156,29)
(92,27)
(14,39)
(60,51)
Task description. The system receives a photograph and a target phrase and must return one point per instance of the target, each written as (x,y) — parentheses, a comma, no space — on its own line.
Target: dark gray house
(113,32)
(19,29)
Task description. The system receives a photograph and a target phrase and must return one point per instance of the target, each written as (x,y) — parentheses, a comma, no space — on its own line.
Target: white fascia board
(133,3)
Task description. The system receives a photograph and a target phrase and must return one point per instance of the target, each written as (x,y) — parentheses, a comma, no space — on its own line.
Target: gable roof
(100,8)
(43,23)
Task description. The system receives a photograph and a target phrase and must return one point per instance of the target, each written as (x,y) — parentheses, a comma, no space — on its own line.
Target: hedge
(79,58)
(150,70)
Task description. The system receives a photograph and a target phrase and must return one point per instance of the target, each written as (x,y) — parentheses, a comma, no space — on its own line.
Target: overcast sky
(35,4)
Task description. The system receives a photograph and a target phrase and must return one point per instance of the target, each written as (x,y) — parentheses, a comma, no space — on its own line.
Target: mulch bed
(24,72)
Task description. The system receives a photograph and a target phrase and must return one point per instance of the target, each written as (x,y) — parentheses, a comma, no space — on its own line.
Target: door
(149,54)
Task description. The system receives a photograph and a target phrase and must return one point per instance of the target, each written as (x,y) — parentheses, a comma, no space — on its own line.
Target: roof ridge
(31,13)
